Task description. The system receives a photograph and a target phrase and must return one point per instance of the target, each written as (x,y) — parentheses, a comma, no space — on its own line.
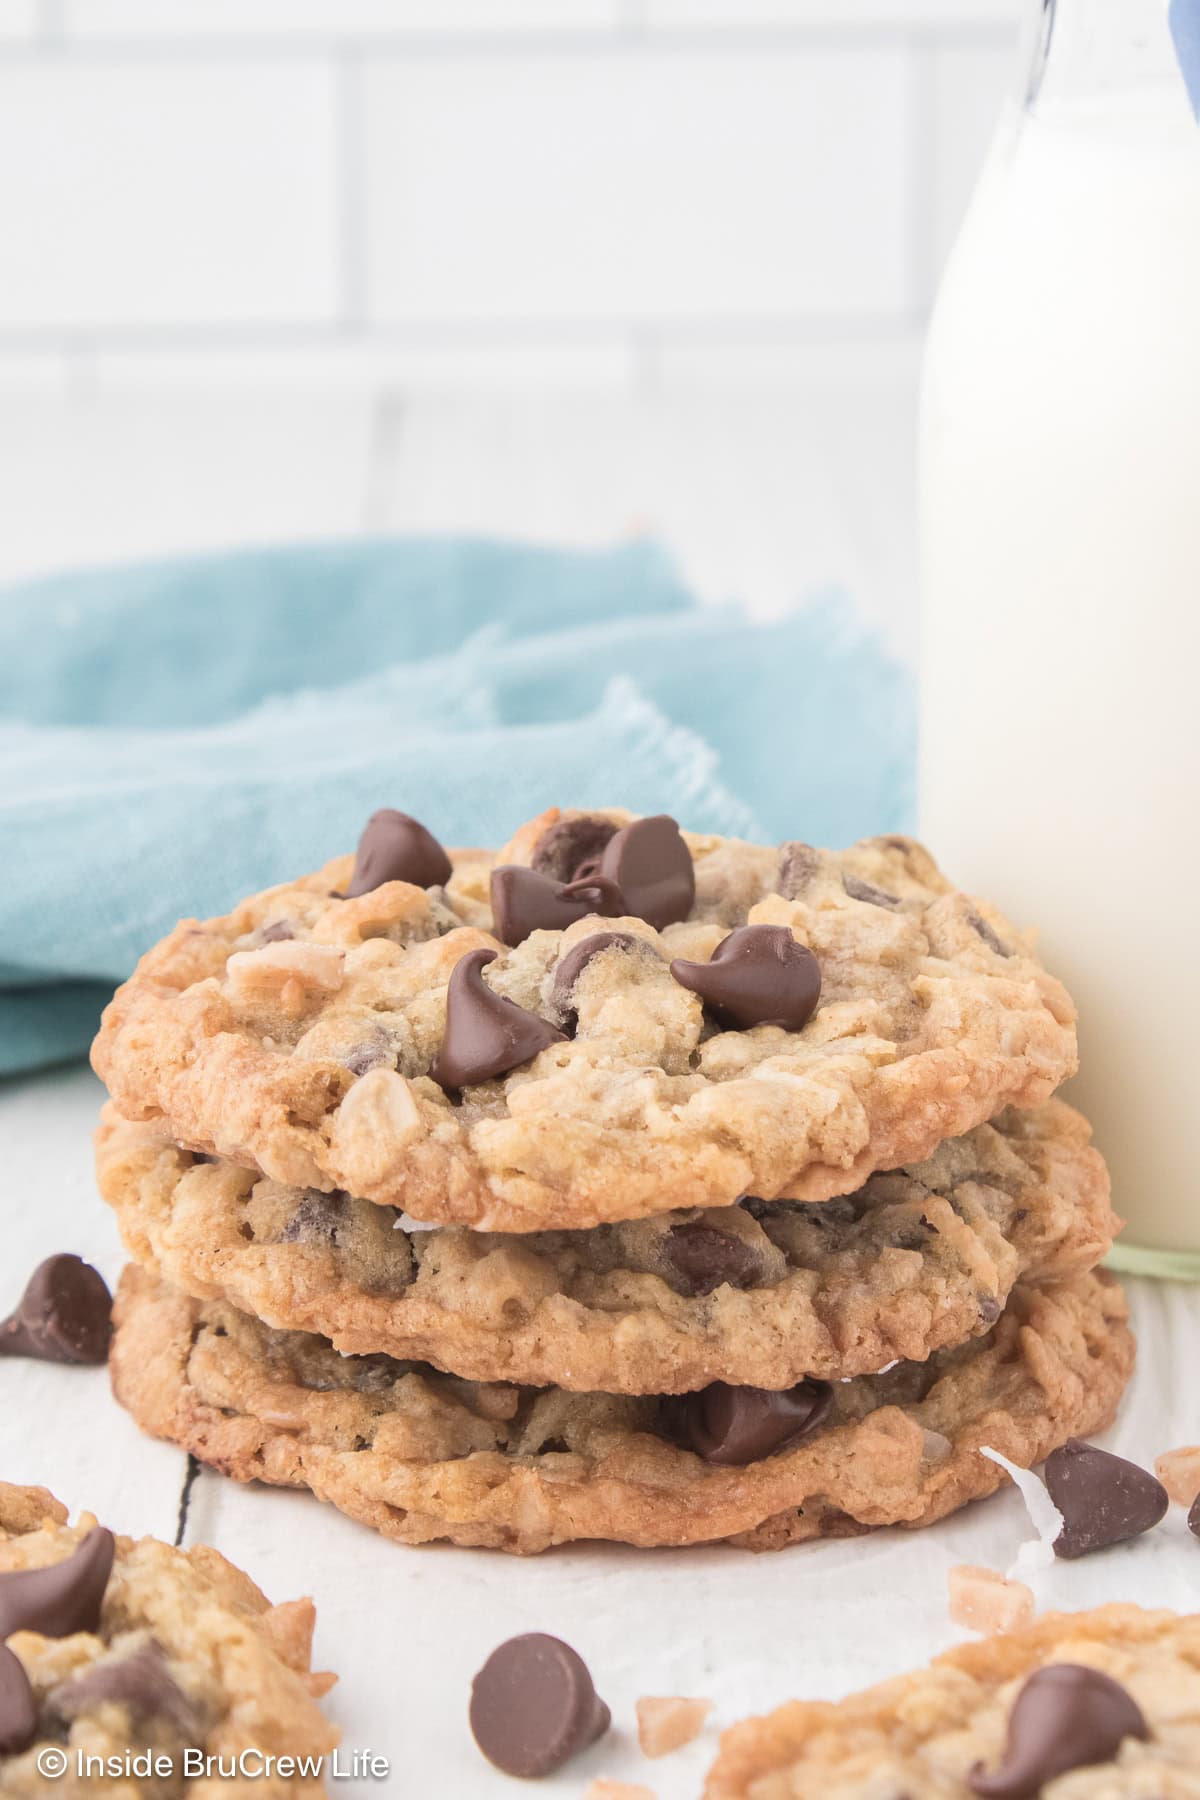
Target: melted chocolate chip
(1066,1716)
(863,890)
(316,1218)
(277,933)
(989,1309)
(1103,1499)
(580,955)
(141,1682)
(651,865)
(988,935)
(18,1707)
(701,1259)
(486,1035)
(572,846)
(758,975)
(798,863)
(395,847)
(63,1597)
(524,901)
(740,1425)
(533,1706)
(1193,1518)
(65,1315)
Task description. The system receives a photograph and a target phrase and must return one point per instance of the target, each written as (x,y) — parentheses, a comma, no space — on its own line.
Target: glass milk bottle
(1060,528)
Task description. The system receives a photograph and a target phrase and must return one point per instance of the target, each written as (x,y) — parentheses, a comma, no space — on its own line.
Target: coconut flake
(1036,1554)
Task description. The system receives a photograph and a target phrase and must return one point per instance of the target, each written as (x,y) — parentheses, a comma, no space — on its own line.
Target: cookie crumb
(1179,1472)
(618,1790)
(667,1724)
(983,1600)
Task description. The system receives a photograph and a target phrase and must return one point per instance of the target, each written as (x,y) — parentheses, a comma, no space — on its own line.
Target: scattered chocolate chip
(863,890)
(1193,1518)
(63,1597)
(989,1309)
(277,933)
(139,1681)
(1103,1499)
(18,1708)
(1066,1716)
(316,1218)
(580,955)
(394,847)
(740,1425)
(798,863)
(485,1035)
(652,867)
(758,975)
(524,901)
(533,1706)
(988,935)
(572,847)
(65,1315)
(700,1259)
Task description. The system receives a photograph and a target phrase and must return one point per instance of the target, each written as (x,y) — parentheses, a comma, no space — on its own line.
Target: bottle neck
(1091,48)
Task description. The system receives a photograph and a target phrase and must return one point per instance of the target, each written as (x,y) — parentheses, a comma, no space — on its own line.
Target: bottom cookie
(117,1648)
(1102,1704)
(422,1456)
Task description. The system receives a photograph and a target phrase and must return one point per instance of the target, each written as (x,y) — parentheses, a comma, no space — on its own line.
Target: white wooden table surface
(407,1628)
(763,495)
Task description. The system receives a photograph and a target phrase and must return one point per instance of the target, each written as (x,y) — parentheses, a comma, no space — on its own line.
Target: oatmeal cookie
(1101,1705)
(764,1293)
(114,1645)
(423,1456)
(696,1019)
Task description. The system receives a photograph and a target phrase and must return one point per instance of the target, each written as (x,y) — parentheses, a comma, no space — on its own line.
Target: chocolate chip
(141,1682)
(1193,1518)
(316,1218)
(798,863)
(652,866)
(580,955)
(989,1309)
(572,846)
(63,1597)
(1066,1716)
(988,935)
(486,1035)
(65,1315)
(862,890)
(1103,1499)
(18,1708)
(524,901)
(394,847)
(739,1425)
(700,1259)
(533,1706)
(277,933)
(377,1053)
(758,975)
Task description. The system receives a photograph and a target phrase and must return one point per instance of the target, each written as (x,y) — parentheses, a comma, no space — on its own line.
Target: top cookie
(584,1031)
(113,1646)
(1103,1704)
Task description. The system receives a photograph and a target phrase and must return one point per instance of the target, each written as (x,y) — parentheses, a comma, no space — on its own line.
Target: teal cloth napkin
(175,736)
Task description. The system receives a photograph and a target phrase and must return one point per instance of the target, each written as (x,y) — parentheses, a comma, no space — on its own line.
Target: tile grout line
(921,173)
(349,104)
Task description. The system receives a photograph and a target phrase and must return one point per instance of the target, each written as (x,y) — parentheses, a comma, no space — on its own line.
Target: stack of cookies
(630,1183)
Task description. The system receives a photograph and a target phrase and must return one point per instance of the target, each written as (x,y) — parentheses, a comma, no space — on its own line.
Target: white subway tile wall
(564,268)
(595,184)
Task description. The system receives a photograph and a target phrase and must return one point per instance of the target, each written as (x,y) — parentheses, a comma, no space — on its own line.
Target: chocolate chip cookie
(613,1019)
(1101,1705)
(762,1293)
(115,1646)
(422,1456)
